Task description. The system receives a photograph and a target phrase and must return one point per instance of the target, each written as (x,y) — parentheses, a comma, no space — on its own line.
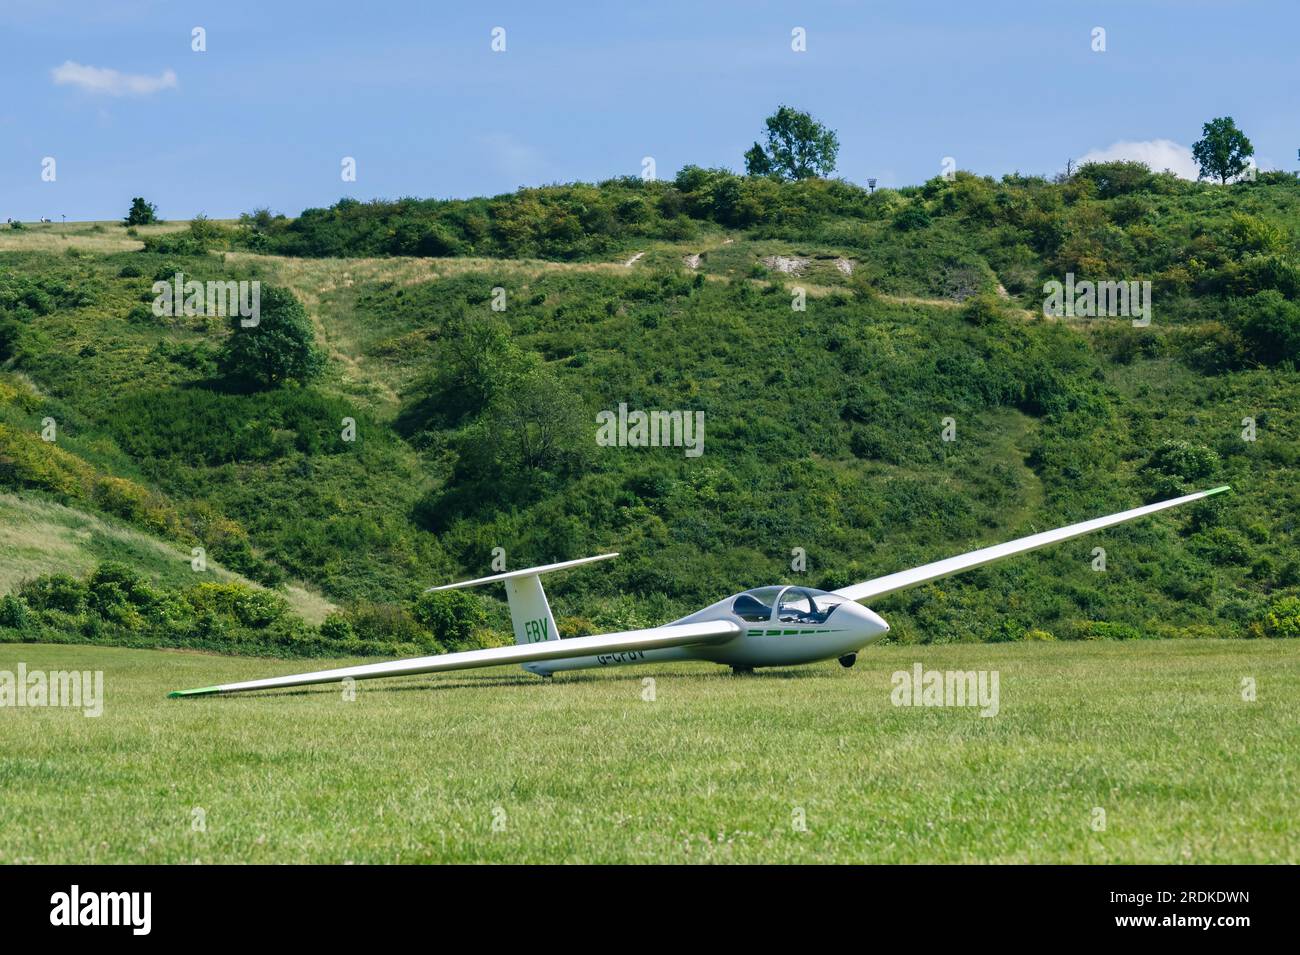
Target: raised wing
(676,635)
(986,555)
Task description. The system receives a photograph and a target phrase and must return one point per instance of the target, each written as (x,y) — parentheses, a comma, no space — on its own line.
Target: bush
(1119,178)
(1281,620)
(1270,328)
(913,216)
(1101,630)
(452,616)
(55,592)
(14,613)
(1178,467)
(166,272)
(576,627)
(1223,546)
(388,623)
(175,243)
(118,594)
(244,605)
(983,309)
(338,627)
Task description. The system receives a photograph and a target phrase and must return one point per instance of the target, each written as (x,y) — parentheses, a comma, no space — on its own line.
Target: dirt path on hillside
(311,277)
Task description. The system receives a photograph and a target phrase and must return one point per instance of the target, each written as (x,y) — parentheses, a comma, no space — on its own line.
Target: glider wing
(674,635)
(904,579)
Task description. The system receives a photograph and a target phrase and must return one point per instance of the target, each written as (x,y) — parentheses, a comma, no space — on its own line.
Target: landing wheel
(848,660)
(742,671)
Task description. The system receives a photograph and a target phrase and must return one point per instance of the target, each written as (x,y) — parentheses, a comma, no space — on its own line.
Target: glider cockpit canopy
(792,605)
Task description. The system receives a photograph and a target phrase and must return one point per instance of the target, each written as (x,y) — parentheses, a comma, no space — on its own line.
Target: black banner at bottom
(332,904)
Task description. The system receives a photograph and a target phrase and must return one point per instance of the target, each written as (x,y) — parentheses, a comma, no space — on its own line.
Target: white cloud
(94,79)
(1159,154)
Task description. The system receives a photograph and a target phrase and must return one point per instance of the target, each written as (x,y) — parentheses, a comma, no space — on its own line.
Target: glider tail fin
(530,613)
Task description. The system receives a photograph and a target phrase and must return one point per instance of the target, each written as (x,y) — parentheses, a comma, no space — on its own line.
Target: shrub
(1222,545)
(118,594)
(913,216)
(14,613)
(380,622)
(55,592)
(1102,630)
(166,273)
(1281,619)
(1175,466)
(238,602)
(983,309)
(576,627)
(1270,328)
(338,627)
(175,243)
(27,461)
(1118,178)
(452,616)
(1006,631)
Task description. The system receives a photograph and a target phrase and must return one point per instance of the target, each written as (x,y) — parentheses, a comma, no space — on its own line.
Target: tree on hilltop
(798,147)
(1223,150)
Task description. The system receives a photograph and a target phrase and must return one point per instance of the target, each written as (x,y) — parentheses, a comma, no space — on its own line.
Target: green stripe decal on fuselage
(786,633)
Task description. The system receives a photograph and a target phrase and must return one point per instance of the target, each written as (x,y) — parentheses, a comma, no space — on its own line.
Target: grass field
(494,766)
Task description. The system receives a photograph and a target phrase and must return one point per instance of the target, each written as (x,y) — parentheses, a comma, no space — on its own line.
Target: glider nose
(877,622)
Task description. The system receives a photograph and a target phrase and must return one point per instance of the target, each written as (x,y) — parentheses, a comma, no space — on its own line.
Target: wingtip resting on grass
(201,691)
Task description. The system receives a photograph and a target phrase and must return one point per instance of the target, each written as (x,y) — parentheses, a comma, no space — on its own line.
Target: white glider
(781,625)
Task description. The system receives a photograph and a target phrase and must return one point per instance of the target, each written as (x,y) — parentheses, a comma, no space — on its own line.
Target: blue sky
(413,91)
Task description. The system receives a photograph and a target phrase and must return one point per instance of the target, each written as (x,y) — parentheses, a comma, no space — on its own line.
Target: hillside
(475,428)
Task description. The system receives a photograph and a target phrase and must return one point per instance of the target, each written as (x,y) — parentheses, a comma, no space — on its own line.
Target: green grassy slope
(714,769)
(43,537)
(823,426)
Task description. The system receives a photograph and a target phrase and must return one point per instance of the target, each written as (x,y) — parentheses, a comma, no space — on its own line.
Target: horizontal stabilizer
(526,572)
(655,638)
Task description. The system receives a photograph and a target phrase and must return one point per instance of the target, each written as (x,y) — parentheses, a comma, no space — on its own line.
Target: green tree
(478,362)
(798,147)
(142,213)
(540,425)
(1223,150)
(281,347)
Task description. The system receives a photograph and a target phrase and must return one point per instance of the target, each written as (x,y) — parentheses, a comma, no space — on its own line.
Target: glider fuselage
(781,626)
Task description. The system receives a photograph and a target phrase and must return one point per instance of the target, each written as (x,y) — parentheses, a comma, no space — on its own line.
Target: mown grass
(714,769)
